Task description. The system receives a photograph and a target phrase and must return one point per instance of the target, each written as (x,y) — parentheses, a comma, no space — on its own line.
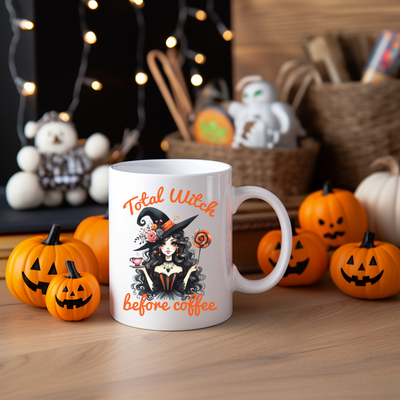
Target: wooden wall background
(270,32)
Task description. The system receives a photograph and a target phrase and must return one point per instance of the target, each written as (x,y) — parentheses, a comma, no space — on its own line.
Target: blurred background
(50,55)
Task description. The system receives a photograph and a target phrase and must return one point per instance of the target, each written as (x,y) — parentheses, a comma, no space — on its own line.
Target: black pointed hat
(164,223)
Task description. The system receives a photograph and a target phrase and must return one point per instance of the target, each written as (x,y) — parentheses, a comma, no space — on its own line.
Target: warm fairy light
(96,85)
(25,24)
(196,80)
(141,78)
(64,116)
(139,3)
(200,58)
(28,88)
(171,42)
(201,15)
(164,145)
(227,35)
(92,4)
(90,37)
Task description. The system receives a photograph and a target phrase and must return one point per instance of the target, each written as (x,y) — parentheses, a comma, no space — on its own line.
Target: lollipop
(201,239)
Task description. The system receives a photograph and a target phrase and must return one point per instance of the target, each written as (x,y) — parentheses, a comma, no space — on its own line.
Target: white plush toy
(260,119)
(57,167)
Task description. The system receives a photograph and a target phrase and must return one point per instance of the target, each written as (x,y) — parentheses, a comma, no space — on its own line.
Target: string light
(196,79)
(201,15)
(64,116)
(227,35)
(197,57)
(171,42)
(28,88)
(222,29)
(90,37)
(179,35)
(93,83)
(96,85)
(197,13)
(141,78)
(23,87)
(92,4)
(139,3)
(24,24)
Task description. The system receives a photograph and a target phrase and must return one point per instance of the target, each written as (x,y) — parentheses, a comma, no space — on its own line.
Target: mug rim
(147,167)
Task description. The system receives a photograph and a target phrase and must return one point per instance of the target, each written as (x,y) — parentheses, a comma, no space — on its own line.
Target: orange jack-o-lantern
(94,232)
(74,296)
(368,269)
(335,214)
(309,258)
(37,260)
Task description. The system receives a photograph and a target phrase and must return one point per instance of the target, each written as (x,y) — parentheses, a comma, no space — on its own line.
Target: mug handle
(241,284)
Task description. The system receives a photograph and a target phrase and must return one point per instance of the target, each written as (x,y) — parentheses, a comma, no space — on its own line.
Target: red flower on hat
(151,236)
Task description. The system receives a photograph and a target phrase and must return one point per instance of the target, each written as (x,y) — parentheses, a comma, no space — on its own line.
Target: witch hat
(164,222)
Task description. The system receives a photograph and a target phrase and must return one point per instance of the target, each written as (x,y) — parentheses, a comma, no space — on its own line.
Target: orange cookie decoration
(213,125)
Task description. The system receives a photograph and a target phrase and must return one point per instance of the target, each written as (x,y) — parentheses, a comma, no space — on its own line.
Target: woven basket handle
(241,284)
(184,102)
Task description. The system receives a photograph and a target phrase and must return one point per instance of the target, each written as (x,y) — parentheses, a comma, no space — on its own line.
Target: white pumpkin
(379,193)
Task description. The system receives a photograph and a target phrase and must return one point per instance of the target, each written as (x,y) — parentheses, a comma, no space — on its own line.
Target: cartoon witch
(169,270)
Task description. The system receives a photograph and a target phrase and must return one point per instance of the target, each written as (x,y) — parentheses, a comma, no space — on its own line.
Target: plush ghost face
(259,92)
(56,137)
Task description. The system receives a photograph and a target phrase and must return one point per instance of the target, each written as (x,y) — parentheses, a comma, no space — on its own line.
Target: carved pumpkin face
(367,270)
(309,258)
(37,260)
(335,214)
(73,297)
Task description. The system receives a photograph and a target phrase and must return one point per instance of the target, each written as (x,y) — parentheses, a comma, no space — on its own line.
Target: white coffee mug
(171,243)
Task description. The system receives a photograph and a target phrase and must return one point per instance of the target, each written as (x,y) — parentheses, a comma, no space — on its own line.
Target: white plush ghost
(57,167)
(260,119)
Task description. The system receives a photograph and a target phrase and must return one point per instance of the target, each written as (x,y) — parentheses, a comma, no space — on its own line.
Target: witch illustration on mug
(167,268)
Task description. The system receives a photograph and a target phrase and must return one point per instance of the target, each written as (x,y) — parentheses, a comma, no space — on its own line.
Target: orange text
(193,307)
(194,200)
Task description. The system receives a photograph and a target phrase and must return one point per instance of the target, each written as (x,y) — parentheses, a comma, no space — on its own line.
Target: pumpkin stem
(327,188)
(73,273)
(106,216)
(293,225)
(368,241)
(388,161)
(54,236)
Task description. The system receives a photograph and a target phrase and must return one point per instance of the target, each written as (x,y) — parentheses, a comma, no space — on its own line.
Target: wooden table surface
(289,343)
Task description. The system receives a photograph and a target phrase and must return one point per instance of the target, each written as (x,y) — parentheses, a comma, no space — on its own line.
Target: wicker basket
(283,172)
(355,124)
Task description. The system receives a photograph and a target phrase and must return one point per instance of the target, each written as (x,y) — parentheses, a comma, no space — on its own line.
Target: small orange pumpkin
(74,296)
(367,269)
(309,258)
(94,232)
(335,214)
(37,260)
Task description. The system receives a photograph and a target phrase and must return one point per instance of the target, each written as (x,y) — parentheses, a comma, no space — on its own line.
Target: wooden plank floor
(289,343)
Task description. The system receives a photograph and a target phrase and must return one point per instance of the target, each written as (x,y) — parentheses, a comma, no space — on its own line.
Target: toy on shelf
(57,166)
(335,214)
(36,261)
(367,269)
(378,193)
(74,296)
(309,258)
(260,119)
(94,232)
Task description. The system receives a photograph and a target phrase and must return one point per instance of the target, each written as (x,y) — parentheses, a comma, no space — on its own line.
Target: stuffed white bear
(260,119)
(57,167)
